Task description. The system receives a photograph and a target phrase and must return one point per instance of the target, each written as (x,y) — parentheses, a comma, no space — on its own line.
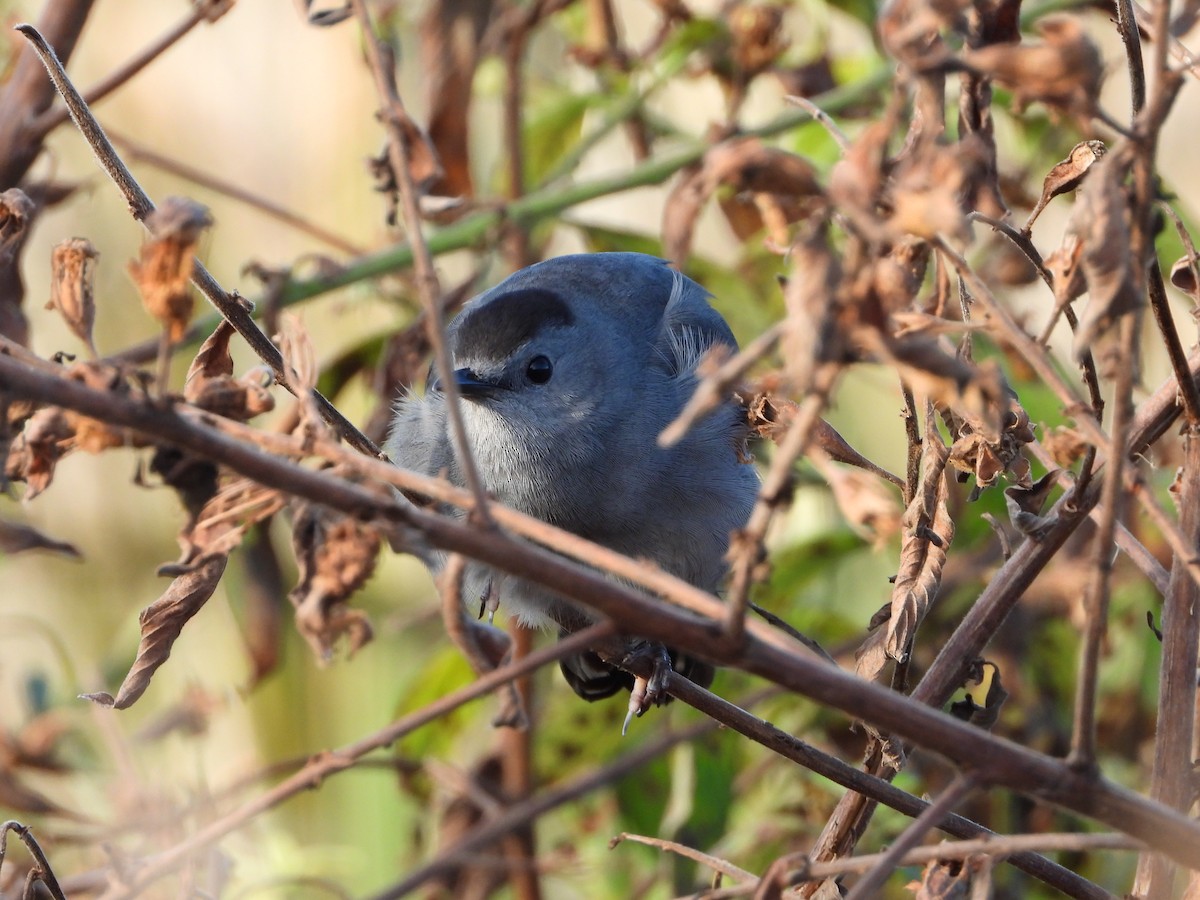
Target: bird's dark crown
(505,322)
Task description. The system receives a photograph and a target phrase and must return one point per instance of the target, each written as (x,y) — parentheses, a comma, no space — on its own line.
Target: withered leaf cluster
(164,270)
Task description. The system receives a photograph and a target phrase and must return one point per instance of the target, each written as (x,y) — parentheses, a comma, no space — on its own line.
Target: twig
(340,760)
(41,871)
(763,651)
(823,117)
(519,814)
(209,10)
(1083,734)
(718,865)
(139,152)
(394,117)
(873,880)
(715,387)
(1001,845)
(747,545)
(1172,780)
(792,748)
(141,205)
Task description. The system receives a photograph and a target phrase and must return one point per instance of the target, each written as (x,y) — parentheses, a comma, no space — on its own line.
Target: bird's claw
(648,692)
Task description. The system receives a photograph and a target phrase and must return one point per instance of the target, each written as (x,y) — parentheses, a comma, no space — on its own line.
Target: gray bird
(569,370)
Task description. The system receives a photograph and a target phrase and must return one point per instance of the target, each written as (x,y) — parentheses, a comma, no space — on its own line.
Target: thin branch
(763,651)
(1172,780)
(229,305)
(747,546)
(209,10)
(344,758)
(873,880)
(394,117)
(139,152)
(718,865)
(1083,732)
(42,870)
(823,117)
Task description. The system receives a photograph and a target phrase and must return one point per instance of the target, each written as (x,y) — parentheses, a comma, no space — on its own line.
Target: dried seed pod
(72,283)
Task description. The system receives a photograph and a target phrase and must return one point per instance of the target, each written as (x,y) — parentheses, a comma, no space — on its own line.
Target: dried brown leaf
(164,269)
(1064,71)
(1065,445)
(162,622)
(1066,176)
(856,180)
(743,165)
(451,33)
(1183,276)
(811,335)
(896,276)
(72,286)
(927,536)
(870,509)
(942,880)
(46,438)
(1100,218)
(210,383)
(336,554)
(15,538)
(300,357)
(930,188)
(223,520)
(1025,502)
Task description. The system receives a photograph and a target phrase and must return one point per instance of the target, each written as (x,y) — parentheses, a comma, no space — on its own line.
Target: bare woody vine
(902,251)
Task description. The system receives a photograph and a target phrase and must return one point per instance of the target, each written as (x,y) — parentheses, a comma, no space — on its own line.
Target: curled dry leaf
(16,538)
(210,383)
(871,510)
(33,455)
(1066,176)
(1025,502)
(896,276)
(1100,218)
(1065,445)
(451,34)
(164,269)
(928,531)
(300,358)
(986,453)
(1065,266)
(162,622)
(743,165)
(72,286)
(1064,71)
(856,180)
(811,334)
(911,30)
(949,879)
(758,38)
(336,554)
(930,187)
(221,523)
(1184,277)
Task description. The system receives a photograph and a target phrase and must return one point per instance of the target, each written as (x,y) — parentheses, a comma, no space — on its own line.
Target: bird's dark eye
(539,370)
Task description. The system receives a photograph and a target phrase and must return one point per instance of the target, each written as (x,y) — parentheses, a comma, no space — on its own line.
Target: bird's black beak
(472,387)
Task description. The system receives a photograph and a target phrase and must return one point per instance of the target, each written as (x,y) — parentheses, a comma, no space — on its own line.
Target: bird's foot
(651,691)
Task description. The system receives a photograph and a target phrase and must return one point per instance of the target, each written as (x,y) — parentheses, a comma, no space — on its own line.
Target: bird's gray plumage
(621,334)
